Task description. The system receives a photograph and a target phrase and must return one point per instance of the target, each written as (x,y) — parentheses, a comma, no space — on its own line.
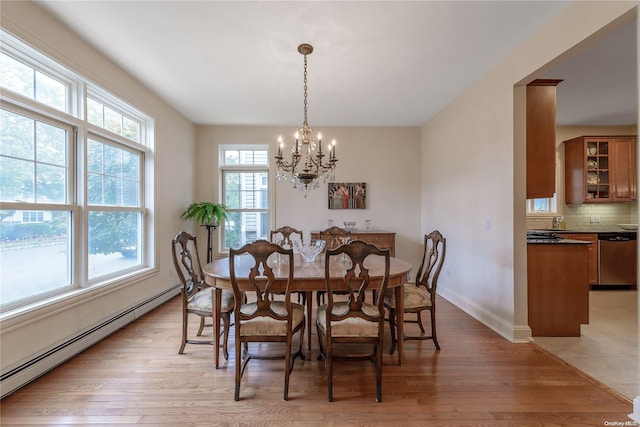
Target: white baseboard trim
(32,369)
(514,333)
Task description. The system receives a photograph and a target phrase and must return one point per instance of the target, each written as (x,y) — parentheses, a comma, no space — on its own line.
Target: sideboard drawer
(380,238)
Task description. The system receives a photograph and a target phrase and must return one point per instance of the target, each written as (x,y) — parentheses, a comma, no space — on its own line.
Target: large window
(73,180)
(245,189)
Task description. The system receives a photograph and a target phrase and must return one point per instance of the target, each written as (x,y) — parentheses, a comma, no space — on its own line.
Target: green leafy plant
(206,213)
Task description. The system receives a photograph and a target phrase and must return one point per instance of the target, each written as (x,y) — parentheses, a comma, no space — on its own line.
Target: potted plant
(206,213)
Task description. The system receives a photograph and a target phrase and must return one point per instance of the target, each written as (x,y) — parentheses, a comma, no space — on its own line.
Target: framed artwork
(347,195)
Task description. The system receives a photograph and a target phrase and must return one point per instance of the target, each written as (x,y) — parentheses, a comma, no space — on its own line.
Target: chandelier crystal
(314,169)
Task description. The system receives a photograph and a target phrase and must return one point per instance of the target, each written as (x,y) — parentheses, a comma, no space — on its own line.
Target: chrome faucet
(555,224)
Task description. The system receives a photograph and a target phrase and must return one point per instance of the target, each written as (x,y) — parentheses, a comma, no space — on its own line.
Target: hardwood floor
(478,378)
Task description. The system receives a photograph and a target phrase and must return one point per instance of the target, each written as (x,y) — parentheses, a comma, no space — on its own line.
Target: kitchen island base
(557,289)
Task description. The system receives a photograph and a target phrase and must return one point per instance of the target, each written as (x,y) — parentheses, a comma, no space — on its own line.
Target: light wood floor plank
(136,377)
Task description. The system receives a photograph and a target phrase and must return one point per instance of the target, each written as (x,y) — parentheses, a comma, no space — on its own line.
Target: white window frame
(224,168)
(78,88)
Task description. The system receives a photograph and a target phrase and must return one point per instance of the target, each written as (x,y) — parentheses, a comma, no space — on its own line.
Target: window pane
(94,189)
(130,192)
(541,205)
(95,112)
(245,157)
(51,92)
(112,191)
(231,157)
(29,248)
(244,190)
(16,76)
(51,144)
(245,227)
(31,83)
(17,180)
(94,156)
(50,184)
(114,239)
(20,174)
(130,129)
(112,121)
(114,175)
(17,135)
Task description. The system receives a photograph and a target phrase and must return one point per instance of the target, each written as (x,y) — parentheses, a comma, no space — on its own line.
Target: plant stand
(209,247)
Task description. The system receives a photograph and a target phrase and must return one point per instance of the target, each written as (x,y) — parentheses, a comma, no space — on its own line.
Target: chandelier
(307,175)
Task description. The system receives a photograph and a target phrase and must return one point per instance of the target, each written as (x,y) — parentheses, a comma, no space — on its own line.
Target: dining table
(308,277)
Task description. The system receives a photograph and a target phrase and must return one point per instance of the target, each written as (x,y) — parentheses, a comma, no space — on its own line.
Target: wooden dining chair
(263,319)
(334,236)
(197,296)
(285,232)
(283,236)
(353,321)
(420,295)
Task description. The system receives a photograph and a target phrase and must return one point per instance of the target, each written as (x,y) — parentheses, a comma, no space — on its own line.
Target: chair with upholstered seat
(334,236)
(343,323)
(197,296)
(285,236)
(263,319)
(420,295)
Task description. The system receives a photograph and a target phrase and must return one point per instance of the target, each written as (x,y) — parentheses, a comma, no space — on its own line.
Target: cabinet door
(622,159)
(593,253)
(541,138)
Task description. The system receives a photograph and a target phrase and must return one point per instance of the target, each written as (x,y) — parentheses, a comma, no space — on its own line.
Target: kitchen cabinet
(541,138)
(600,169)
(380,238)
(557,289)
(592,252)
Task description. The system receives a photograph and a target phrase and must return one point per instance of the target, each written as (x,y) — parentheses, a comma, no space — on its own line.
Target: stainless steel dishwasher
(617,262)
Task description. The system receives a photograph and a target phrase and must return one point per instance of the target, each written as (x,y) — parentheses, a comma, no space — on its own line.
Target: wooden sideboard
(380,238)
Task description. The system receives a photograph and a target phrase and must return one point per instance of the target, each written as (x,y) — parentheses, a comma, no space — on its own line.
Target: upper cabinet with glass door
(600,169)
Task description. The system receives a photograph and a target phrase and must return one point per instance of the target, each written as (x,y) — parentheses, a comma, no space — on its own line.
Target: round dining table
(307,277)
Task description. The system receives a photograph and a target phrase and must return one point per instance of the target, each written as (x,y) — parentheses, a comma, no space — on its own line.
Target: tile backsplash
(579,216)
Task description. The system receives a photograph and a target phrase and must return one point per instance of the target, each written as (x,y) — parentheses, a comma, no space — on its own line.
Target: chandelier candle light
(307,176)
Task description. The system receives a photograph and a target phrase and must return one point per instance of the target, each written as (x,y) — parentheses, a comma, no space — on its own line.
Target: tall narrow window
(245,178)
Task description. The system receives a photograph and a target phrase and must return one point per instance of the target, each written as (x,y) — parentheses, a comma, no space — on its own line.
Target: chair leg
(238,364)
(201,328)
(392,328)
(225,331)
(184,333)
(378,367)
(329,365)
(419,319)
(309,306)
(287,368)
(433,328)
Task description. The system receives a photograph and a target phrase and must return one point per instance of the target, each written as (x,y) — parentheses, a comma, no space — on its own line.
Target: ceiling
(375,63)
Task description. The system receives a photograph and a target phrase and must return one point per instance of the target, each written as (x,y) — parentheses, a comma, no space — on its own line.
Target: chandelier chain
(305,91)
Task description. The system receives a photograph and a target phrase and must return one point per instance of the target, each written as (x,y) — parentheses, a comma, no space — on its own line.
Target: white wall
(387,159)
(473,166)
(24,336)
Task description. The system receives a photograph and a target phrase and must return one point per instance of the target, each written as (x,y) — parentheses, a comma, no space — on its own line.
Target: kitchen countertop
(557,242)
(585,230)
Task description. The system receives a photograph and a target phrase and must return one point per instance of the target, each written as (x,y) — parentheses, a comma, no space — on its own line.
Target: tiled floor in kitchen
(608,348)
